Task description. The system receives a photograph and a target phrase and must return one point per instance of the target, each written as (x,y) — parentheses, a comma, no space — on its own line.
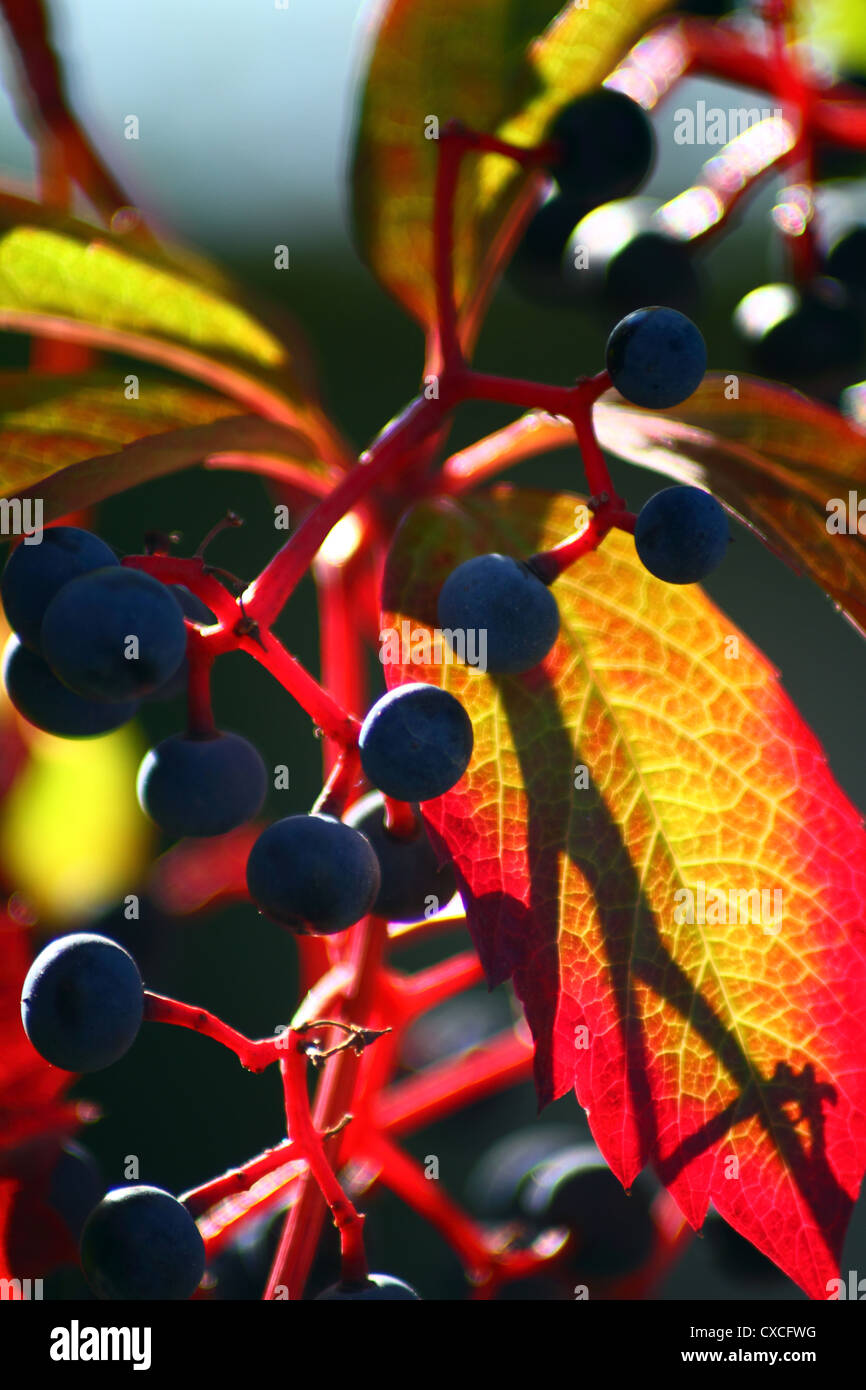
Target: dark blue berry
(75,1186)
(416,742)
(196,612)
(681,534)
(82,1002)
(801,335)
(411,872)
(44,701)
(500,598)
(613,1230)
(607,146)
(202,786)
(495,1185)
(115,634)
(656,357)
(313,874)
(620,249)
(376,1288)
(141,1243)
(35,573)
(537,268)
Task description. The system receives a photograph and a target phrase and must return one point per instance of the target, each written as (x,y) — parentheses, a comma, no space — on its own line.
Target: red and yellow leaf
(773,456)
(63,278)
(730,1054)
(503,68)
(72,442)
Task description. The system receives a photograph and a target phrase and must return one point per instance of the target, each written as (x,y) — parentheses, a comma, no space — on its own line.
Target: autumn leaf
(651,758)
(776,458)
(503,68)
(72,442)
(66,279)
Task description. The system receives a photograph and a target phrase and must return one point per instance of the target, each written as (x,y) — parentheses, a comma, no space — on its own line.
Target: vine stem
(200,1199)
(252,1055)
(200,719)
(300,1235)
(348,1221)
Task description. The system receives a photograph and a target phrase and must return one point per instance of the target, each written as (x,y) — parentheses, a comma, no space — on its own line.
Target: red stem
(348,1221)
(200,719)
(253,1055)
(200,1199)
(449,1085)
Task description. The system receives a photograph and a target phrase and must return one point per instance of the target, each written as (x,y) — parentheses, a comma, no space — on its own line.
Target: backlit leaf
(649,755)
(500,68)
(773,456)
(63,278)
(73,442)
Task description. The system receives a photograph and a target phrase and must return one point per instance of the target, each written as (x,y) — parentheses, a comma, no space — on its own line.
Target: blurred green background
(244,113)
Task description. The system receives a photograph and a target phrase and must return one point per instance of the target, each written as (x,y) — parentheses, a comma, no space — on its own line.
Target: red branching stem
(200,719)
(455,141)
(252,1055)
(452,145)
(342,660)
(28,24)
(400,819)
(436,983)
(272,1193)
(550,564)
(323,709)
(348,1221)
(192,572)
(300,1234)
(595,467)
(200,1199)
(406,1178)
(341,784)
(267,595)
(446,1086)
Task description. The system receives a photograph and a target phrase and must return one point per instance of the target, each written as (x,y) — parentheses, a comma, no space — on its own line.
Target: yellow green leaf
(501,68)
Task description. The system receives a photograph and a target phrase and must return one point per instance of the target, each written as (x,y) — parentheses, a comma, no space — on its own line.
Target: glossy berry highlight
(416,742)
(34,574)
(656,357)
(82,1002)
(141,1243)
(313,874)
(682,534)
(377,1288)
(202,786)
(500,599)
(114,634)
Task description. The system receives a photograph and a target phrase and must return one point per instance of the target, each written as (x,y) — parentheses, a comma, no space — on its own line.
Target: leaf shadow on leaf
(634,954)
